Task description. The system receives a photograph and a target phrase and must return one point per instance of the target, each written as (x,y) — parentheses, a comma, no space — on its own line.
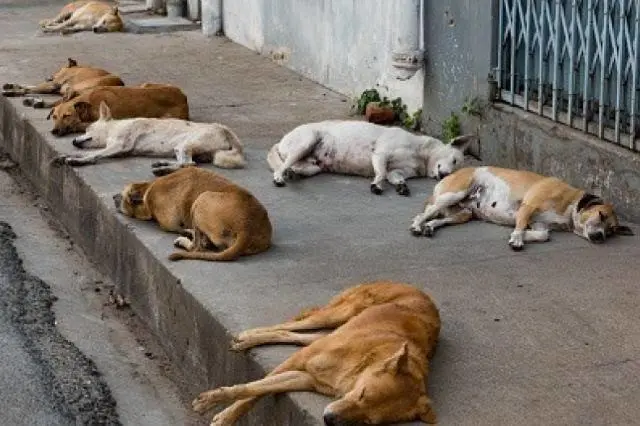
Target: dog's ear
(84,110)
(462,142)
(398,362)
(72,63)
(105,111)
(623,230)
(115,10)
(588,200)
(50,114)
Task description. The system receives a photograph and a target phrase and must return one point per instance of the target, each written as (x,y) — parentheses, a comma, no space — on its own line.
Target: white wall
(345,45)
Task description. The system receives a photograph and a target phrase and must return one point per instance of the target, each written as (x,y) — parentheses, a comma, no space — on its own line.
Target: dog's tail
(231,158)
(274,159)
(230,253)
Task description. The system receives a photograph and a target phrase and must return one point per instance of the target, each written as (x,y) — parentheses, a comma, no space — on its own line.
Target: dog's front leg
(434,206)
(271,337)
(76,28)
(287,381)
(379,163)
(397,178)
(462,216)
(523,215)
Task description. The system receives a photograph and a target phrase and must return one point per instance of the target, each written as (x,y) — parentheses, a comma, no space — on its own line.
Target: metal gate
(574,61)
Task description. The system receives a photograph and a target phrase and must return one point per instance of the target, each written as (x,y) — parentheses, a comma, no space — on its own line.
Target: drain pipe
(407,56)
(211,12)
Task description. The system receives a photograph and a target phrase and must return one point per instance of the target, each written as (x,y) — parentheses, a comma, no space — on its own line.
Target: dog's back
(154,101)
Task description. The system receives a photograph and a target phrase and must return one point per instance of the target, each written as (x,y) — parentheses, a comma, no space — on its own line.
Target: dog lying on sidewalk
(69,81)
(218,219)
(375,361)
(364,149)
(155,137)
(96,16)
(517,198)
(150,100)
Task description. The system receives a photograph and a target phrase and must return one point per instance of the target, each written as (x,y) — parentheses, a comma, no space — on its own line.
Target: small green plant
(472,106)
(451,127)
(413,121)
(370,95)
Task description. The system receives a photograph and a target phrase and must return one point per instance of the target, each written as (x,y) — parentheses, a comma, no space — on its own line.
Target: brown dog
(223,220)
(98,16)
(69,81)
(375,361)
(148,100)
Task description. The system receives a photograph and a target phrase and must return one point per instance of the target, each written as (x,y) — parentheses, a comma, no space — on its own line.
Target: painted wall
(345,45)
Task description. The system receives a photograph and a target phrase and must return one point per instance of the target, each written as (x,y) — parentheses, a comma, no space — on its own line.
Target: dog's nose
(442,175)
(55,131)
(95,29)
(117,199)
(596,237)
(77,143)
(331,419)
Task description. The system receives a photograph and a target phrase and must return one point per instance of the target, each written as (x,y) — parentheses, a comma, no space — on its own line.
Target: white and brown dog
(155,137)
(98,16)
(364,149)
(533,203)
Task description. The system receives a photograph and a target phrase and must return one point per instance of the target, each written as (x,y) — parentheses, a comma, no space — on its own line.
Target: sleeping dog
(535,204)
(364,149)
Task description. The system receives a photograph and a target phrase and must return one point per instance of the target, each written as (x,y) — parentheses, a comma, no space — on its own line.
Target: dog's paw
(33,102)
(163,171)
(290,175)
(9,93)
(188,233)
(375,189)
(279,182)
(403,189)
(58,160)
(416,231)
(10,86)
(428,231)
(204,402)
(160,164)
(238,344)
(183,243)
(515,242)
(77,161)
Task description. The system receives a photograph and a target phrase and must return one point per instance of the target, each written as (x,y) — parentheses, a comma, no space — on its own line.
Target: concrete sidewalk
(547,336)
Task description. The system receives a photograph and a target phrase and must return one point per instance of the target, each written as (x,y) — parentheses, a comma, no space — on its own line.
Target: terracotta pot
(379,114)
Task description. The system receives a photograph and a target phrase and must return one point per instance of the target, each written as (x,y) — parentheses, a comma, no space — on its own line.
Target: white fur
(155,137)
(363,149)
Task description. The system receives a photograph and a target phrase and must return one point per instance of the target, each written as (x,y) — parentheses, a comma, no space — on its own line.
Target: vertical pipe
(556,60)
(603,67)
(527,32)
(620,56)
(541,42)
(587,70)
(500,37)
(512,77)
(572,53)
(211,12)
(634,78)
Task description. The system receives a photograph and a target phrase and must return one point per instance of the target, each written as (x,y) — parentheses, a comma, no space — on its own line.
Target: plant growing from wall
(451,127)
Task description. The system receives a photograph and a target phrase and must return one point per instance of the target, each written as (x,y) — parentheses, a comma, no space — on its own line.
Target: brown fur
(149,100)
(218,214)
(69,81)
(99,16)
(375,361)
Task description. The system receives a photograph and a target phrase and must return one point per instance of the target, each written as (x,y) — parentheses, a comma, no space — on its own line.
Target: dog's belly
(345,158)
(491,199)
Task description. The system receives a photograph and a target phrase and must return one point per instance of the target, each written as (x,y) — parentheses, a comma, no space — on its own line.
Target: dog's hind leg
(306,140)
(306,168)
(398,180)
(273,337)
(436,205)
(523,215)
(45,88)
(455,218)
(40,103)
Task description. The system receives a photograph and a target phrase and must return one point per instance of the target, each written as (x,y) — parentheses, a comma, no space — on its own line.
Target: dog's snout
(95,29)
(117,199)
(77,142)
(442,175)
(55,131)
(596,237)
(331,419)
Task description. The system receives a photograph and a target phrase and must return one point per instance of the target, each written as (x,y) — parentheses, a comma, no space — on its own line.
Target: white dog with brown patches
(533,203)
(154,137)
(364,149)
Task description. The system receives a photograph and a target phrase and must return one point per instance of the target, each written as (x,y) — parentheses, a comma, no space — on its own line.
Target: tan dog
(517,198)
(69,81)
(96,16)
(147,100)
(223,220)
(375,361)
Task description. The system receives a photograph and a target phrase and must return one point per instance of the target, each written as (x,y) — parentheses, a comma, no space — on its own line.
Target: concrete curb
(186,329)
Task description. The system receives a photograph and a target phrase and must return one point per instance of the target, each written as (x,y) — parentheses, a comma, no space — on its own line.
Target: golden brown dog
(148,100)
(533,203)
(375,361)
(98,16)
(223,221)
(69,81)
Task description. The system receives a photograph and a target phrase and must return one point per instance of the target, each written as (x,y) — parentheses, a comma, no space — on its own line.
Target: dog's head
(96,134)
(70,117)
(449,157)
(596,220)
(109,22)
(385,393)
(63,71)
(130,202)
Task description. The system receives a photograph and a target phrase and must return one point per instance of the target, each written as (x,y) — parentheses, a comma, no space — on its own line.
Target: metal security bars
(574,61)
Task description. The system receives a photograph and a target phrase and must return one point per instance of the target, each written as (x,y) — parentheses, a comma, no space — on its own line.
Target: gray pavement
(546,336)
